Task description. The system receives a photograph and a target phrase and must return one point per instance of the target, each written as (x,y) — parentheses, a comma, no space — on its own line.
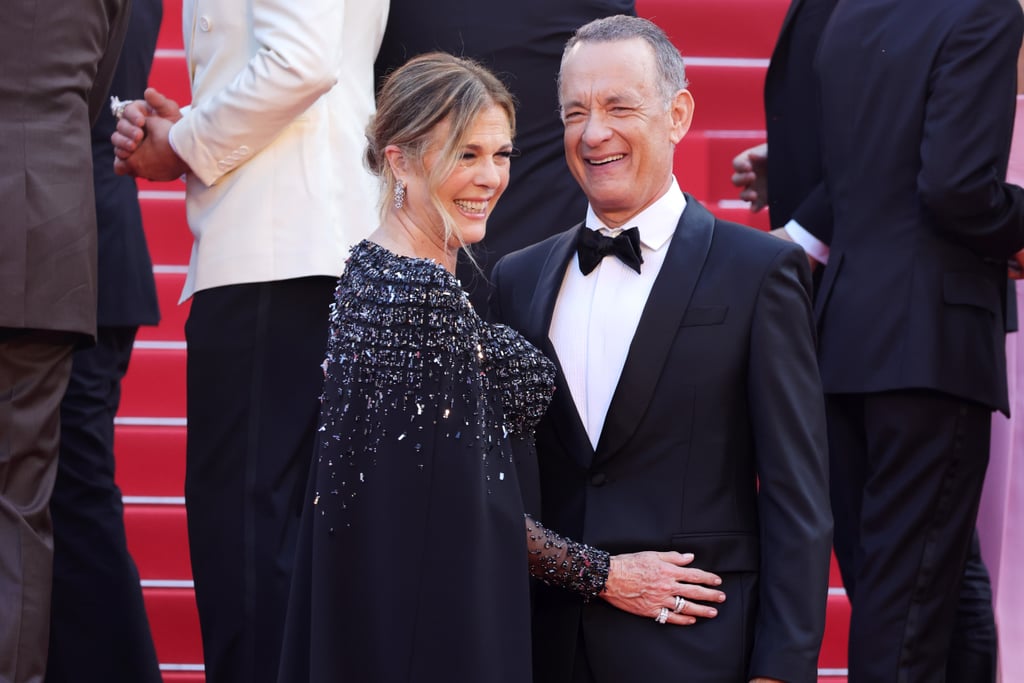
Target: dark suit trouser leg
(254,380)
(99,630)
(907,472)
(974,647)
(34,370)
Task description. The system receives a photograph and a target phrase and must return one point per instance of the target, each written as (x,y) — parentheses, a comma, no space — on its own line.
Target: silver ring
(117,107)
(662,616)
(680,604)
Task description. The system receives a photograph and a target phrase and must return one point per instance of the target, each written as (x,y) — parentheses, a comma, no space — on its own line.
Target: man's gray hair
(671,69)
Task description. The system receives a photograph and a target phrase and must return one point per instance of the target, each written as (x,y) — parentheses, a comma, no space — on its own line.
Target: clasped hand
(142,139)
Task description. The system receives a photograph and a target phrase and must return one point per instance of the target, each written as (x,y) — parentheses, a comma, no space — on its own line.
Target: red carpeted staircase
(727,44)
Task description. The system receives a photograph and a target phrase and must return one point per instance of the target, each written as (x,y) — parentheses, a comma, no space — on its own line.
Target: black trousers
(99,630)
(34,370)
(907,470)
(254,380)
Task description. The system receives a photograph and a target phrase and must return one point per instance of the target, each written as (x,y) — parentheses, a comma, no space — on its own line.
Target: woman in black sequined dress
(413,556)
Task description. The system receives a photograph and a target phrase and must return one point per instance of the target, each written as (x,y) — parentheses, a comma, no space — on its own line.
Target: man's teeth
(471,207)
(606,160)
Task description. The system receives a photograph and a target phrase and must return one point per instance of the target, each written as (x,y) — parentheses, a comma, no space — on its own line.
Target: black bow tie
(592,246)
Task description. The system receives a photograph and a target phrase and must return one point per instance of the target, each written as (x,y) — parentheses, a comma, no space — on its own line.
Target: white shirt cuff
(814,247)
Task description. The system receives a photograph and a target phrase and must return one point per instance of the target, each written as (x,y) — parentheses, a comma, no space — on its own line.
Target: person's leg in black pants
(99,630)
(254,381)
(907,471)
(974,647)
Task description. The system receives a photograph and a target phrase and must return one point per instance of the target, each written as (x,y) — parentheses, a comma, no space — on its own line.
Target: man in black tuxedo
(98,625)
(520,41)
(917,109)
(789,181)
(686,377)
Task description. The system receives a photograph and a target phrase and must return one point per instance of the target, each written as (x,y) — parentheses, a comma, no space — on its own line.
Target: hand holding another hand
(141,140)
(644,583)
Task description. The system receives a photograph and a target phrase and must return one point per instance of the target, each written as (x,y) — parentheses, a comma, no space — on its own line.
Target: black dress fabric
(413,554)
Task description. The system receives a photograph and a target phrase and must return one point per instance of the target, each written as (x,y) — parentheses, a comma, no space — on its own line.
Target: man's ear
(681,111)
(397,160)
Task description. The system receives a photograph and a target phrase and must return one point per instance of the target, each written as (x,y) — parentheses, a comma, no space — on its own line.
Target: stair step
(163,218)
(183,676)
(738,28)
(174,623)
(727,96)
(158,541)
(150,460)
(837,632)
(154,386)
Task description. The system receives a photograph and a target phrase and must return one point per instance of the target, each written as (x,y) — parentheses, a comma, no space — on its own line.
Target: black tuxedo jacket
(720,389)
(917,111)
(127,291)
(792,120)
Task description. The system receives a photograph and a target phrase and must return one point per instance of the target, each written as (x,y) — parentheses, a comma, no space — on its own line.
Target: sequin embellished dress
(412,559)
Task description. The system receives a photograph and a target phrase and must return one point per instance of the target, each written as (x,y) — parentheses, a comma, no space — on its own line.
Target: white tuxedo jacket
(281,95)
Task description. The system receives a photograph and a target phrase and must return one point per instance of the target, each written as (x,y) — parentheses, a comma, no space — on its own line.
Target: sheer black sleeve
(564,563)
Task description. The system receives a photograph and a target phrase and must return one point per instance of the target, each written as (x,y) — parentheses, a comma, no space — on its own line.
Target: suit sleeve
(967,128)
(814,214)
(297,61)
(788,417)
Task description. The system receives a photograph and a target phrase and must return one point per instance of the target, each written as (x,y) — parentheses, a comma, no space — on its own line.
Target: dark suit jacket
(720,389)
(522,42)
(58,58)
(792,120)
(127,291)
(917,111)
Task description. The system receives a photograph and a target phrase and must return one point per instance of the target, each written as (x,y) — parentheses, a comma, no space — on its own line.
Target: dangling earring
(399,194)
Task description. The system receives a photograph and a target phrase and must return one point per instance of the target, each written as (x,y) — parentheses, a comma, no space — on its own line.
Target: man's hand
(765,680)
(643,583)
(750,174)
(141,141)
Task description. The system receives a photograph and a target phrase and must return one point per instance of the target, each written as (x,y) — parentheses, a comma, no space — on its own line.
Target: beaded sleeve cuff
(565,563)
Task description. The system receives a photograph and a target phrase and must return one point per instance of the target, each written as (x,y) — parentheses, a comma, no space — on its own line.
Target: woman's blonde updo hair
(417,96)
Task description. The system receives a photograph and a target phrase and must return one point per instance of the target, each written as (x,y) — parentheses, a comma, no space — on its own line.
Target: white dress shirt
(596,315)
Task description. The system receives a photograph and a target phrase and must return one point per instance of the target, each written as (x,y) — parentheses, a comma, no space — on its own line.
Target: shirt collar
(657,222)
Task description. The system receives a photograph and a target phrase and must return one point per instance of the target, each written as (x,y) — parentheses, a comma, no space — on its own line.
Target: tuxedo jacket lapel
(562,413)
(658,327)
